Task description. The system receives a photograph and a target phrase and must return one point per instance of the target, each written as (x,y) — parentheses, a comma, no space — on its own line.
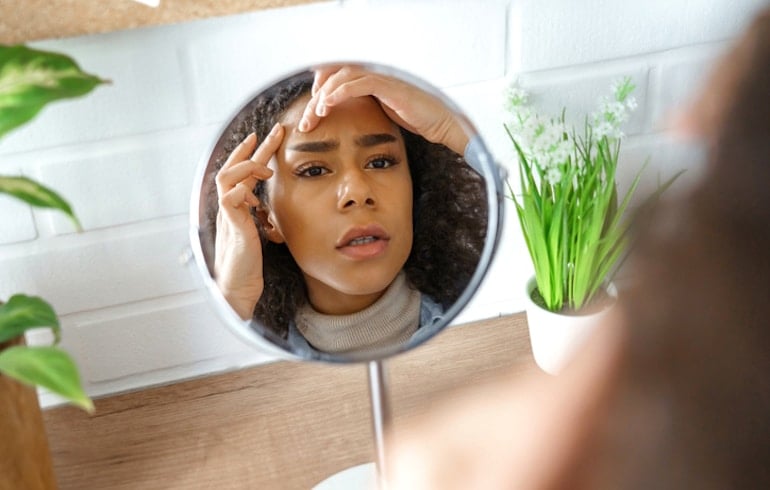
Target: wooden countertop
(30,20)
(280,425)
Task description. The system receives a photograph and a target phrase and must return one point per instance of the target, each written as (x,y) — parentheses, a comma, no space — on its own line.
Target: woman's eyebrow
(316,146)
(365,140)
(375,139)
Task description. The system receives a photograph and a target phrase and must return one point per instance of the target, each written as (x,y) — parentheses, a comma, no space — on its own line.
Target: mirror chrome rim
(252,332)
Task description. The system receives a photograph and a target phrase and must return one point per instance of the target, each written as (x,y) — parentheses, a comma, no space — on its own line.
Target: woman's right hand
(405,104)
(238,250)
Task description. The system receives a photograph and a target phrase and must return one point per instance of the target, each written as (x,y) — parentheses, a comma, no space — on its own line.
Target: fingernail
(303,124)
(275,129)
(320,109)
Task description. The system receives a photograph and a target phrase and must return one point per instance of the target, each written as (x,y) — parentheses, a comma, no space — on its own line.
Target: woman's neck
(329,301)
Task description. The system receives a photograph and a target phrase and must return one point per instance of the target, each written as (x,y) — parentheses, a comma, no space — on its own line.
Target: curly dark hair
(449,214)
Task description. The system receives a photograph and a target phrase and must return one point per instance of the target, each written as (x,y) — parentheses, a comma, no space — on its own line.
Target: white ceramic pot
(555,337)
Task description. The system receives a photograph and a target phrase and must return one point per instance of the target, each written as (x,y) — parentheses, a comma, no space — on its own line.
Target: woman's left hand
(405,104)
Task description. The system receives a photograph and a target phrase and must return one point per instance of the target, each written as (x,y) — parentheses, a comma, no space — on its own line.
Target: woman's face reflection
(340,199)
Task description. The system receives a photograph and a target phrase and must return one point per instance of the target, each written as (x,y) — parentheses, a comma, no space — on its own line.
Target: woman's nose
(355,190)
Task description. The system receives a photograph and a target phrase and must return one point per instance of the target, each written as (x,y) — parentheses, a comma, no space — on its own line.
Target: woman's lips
(367,250)
(364,242)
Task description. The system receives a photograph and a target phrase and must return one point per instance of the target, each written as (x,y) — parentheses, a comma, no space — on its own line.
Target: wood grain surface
(30,20)
(25,459)
(283,425)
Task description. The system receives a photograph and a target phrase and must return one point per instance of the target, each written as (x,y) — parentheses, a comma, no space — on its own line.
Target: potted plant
(568,209)
(30,79)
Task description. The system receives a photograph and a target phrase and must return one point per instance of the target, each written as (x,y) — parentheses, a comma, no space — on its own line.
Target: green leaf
(30,79)
(49,367)
(37,195)
(22,313)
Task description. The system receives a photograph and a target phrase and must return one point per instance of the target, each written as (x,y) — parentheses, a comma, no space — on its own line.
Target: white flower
(606,121)
(622,89)
(515,97)
(618,112)
(562,152)
(615,86)
(546,143)
(553,133)
(553,175)
(552,147)
(604,128)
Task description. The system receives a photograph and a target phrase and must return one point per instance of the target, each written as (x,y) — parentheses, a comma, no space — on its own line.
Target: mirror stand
(381,416)
(365,475)
(474,221)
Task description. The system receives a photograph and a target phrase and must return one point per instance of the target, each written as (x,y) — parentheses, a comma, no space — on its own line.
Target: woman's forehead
(293,113)
(359,115)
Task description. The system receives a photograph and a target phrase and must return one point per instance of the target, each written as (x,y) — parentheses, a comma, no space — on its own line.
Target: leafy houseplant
(30,79)
(570,217)
(568,203)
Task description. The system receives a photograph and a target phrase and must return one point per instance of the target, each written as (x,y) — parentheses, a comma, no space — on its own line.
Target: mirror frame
(252,332)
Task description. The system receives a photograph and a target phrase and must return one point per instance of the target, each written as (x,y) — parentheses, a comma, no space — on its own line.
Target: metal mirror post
(346,213)
(381,416)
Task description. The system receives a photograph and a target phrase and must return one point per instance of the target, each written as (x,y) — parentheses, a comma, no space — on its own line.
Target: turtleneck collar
(390,320)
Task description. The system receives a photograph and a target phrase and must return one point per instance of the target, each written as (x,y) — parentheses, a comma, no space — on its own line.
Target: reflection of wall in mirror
(125,156)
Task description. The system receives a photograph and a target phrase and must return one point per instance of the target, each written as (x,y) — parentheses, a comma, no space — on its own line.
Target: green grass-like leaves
(573,229)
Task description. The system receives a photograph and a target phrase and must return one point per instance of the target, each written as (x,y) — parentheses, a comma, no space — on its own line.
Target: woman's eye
(312,171)
(381,162)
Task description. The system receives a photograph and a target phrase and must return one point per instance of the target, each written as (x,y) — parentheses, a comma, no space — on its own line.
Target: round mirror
(345,213)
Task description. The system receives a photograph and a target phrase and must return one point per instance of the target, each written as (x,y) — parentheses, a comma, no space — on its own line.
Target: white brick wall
(125,155)
(16,224)
(546,34)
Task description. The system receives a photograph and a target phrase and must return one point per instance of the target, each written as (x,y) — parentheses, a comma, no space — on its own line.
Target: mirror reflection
(341,213)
